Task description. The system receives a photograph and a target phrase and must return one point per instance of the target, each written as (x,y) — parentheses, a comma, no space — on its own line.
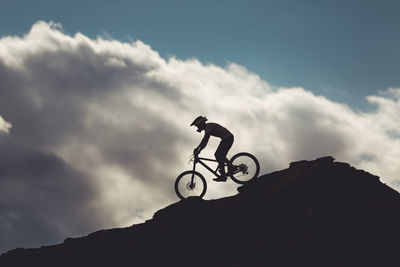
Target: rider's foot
(220,179)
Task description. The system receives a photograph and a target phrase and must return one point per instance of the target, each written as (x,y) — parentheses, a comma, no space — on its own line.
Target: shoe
(220,179)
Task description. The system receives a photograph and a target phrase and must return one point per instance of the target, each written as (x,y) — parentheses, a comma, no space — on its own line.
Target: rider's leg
(220,156)
(221,166)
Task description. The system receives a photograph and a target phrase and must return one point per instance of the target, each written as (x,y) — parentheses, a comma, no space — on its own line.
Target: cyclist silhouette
(214,129)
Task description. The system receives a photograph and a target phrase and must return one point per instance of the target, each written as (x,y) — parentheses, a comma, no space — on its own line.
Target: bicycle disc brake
(244,168)
(190,185)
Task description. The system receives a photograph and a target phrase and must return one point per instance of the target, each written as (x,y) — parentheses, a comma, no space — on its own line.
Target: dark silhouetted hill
(315,213)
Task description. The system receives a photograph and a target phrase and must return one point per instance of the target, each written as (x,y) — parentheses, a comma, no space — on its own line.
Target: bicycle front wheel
(244,167)
(190,184)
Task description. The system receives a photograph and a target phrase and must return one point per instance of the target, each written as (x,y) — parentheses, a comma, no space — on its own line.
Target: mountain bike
(241,168)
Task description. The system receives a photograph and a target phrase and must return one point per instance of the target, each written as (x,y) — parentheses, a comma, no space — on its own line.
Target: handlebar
(193,157)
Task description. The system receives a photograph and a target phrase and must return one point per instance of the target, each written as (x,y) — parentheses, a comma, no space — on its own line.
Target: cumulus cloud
(40,197)
(4,125)
(101,130)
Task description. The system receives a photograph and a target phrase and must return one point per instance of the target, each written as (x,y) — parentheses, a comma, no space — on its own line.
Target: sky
(96,99)
(345,50)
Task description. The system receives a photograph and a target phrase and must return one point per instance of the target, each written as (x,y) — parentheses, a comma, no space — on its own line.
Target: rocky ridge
(314,213)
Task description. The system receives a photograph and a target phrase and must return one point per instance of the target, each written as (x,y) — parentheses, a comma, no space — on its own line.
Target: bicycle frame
(200,160)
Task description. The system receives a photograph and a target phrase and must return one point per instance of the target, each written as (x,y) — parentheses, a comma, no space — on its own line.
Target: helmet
(198,121)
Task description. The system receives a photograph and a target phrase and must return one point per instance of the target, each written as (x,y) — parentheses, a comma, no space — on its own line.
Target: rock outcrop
(315,213)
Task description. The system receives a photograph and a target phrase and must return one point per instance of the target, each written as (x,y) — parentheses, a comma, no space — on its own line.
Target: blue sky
(344,50)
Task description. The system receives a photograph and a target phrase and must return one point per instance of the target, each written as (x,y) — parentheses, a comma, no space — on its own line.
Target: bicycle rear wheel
(245,167)
(186,187)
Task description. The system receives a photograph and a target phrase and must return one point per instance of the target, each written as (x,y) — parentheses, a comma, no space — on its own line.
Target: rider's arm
(203,142)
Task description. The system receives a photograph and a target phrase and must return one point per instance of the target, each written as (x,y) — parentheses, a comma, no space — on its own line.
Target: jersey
(214,129)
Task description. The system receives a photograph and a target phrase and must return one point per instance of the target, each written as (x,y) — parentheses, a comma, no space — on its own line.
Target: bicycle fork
(192,183)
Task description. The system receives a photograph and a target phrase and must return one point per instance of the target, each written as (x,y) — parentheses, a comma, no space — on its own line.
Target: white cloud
(4,125)
(119,114)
